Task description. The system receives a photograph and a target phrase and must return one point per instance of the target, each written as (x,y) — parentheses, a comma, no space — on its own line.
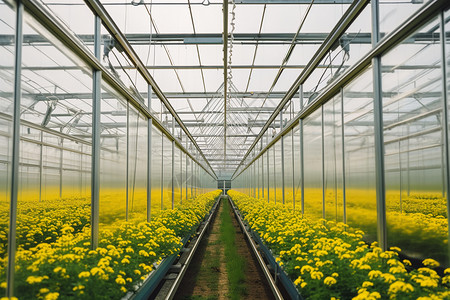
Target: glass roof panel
(207,19)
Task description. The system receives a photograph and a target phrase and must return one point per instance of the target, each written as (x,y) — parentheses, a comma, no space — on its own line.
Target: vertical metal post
(41,148)
(15,152)
(173,164)
(282,170)
(445,119)
(293,170)
(275,177)
(268,175)
(378,132)
(323,163)
(162,171)
(344,192)
(302,165)
(61,156)
(262,173)
(259,175)
(149,159)
(127,163)
(192,177)
(186,175)
(96,129)
(180,182)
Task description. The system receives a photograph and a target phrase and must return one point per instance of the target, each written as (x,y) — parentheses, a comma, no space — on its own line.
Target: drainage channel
(222,267)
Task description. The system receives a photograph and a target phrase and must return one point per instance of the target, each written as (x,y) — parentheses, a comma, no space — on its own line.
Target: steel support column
(149,166)
(445,119)
(378,132)
(344,192)
(96,130)
(15,152)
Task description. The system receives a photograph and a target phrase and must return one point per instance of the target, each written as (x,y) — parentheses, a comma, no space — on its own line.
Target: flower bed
(328,260)
(66,268)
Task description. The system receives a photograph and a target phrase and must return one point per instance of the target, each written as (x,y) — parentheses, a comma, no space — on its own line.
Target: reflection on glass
(272,185)
(278,175)
(167,176)
(414,161)
(334,209)
(113,154)
(137,166)
(312,137)
(52,200)
(297,169)
(177,178)
(394,13)
(156,204)
(359,155)
(288,170)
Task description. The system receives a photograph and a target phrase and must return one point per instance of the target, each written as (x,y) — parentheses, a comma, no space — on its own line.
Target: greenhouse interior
(239,149)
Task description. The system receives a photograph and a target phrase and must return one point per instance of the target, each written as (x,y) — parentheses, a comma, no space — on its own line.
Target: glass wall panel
(177,177)
(359,154)
(334,209)
(183,176)
(113,158)
(71,169)
(278,181)
(156,170)
(46,118)
(7,24)
(264,176)
(394,13)
(414,161)
(137,165)
(297,169)
(189,176)
(288,169)
(312,137)
(167,176)
(272,182)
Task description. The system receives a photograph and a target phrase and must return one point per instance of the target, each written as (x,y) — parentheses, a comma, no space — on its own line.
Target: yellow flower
(52,296)
(44,290)
(84,274)
(329,281)
(367,284)
(125,261)
(123,289)
(120,280)
(137,272)
(431,263)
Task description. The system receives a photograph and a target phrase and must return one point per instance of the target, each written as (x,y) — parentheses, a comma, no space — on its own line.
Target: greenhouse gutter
(65,35)
(421,16)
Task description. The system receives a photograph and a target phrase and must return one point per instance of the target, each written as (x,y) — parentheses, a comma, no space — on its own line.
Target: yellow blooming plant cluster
(329,260)
(66,268)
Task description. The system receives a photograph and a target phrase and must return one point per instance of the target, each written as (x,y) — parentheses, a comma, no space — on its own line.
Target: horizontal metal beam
(216,38)
(201,38)
(228,135)
(238,2)
(385,69)
(209,95)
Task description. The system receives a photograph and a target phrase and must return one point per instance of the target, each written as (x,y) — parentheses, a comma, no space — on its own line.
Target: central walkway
(223,266)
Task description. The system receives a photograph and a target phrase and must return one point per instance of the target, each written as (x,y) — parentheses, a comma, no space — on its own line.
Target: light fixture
(206,2)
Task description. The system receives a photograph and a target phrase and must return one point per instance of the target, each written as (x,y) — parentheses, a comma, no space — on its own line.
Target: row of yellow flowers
(60,264)
(329,260)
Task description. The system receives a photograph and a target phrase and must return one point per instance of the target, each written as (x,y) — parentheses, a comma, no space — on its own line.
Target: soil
(255,283)
(207,278)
